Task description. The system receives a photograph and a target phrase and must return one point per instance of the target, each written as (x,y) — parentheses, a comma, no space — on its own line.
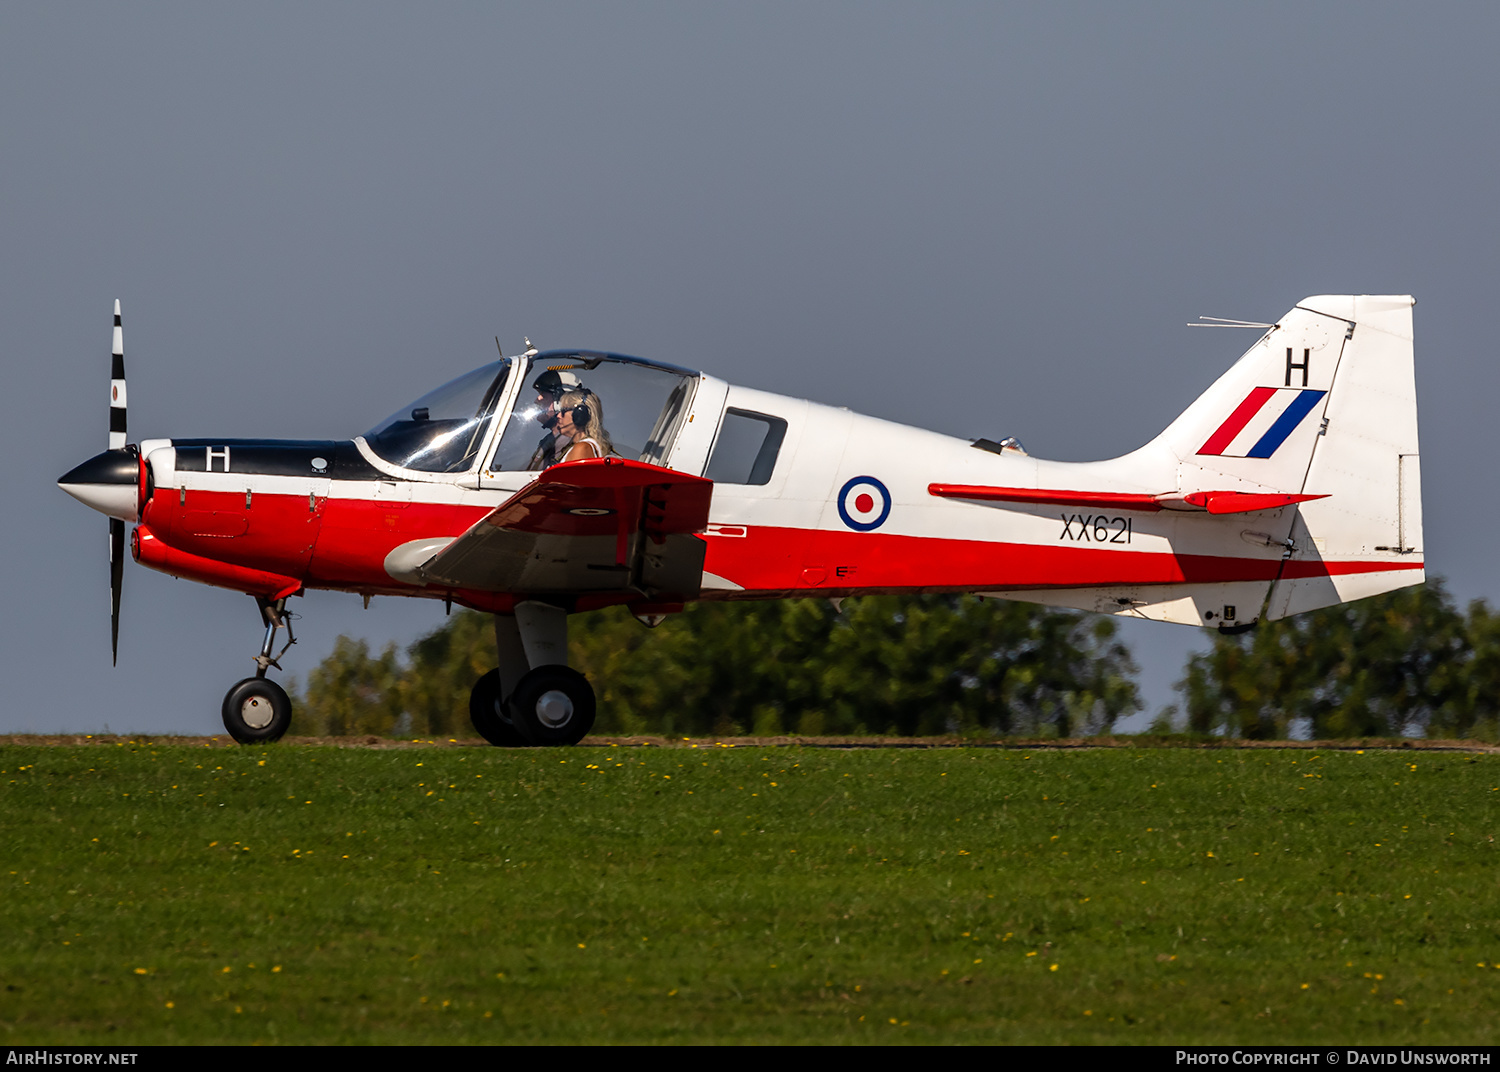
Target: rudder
(1366,536)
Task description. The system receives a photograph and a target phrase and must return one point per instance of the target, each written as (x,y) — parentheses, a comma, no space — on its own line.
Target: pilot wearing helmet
(551,386)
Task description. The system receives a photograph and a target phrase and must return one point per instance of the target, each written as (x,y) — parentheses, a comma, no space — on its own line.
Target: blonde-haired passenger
(581,419)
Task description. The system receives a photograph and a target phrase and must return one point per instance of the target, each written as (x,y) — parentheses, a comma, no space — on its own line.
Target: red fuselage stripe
(342,543)
(782,559)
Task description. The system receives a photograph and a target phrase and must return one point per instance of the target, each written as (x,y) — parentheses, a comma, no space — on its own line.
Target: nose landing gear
(257,710)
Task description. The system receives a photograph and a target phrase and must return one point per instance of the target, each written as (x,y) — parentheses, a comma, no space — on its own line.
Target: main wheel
(256,711)
(488,717)
(553,705)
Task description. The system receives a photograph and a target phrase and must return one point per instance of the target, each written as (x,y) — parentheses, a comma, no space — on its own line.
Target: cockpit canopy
(444,430)
(643,407)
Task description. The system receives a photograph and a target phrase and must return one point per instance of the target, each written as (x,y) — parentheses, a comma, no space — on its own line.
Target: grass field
(158,893)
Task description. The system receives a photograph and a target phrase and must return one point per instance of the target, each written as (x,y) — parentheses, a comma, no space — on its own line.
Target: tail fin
(1324,409)
(1255,429)
(1324,404)
(1366,537)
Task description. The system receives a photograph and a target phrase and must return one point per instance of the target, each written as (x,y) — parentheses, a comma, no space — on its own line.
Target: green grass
(164,893)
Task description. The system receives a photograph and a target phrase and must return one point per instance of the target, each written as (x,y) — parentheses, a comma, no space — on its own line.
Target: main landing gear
(490,719)
(532,697)
(257,710)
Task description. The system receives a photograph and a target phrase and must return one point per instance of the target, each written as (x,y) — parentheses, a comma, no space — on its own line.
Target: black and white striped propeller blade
(116,442)
(117,386)
(116,576)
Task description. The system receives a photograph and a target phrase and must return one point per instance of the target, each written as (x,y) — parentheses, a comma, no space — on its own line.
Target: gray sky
(977,218)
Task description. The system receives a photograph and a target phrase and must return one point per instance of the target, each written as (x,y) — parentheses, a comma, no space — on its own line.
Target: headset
(581,415)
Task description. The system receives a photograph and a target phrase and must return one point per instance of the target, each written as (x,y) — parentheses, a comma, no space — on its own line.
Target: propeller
(116,442)
(109,482)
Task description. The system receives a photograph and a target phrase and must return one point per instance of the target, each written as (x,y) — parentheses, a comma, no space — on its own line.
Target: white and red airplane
(1292,483)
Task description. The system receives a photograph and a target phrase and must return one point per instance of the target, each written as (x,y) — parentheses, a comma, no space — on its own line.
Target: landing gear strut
(532,697)
(274,614)
(257,710)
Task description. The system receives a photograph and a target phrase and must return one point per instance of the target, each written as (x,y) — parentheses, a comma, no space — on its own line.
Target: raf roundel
(864,503)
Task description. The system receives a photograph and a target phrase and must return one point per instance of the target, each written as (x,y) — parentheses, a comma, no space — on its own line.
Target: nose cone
(106,482)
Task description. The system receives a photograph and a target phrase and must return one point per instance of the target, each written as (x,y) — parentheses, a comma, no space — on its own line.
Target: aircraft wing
(597,526)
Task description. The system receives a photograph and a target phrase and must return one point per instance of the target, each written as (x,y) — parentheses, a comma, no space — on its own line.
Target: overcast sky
(979,218)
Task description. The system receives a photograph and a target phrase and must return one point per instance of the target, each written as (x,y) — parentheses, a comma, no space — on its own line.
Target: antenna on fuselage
(530,351)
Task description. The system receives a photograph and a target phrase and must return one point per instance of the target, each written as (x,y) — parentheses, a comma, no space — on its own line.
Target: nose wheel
(257,710)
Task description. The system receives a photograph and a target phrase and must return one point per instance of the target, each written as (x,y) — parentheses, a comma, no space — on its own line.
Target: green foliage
(886,664)
(1480,697)
(351,692)
(1402,664)
(444,665)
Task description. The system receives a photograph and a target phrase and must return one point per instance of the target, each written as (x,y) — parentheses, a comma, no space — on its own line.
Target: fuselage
(808,500)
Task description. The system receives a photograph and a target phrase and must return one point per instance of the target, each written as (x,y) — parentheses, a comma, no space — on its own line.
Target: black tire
(257,711)
(553,705)
(488,718)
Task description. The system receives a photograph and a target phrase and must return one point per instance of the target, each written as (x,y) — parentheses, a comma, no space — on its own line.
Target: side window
(655,450)
(746,450)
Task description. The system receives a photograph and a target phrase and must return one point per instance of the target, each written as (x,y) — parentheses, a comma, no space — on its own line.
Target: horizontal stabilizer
(1235,502)
(1214,502)
(1111,500)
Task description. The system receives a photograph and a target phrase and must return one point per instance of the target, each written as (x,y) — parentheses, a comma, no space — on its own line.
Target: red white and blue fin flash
(1262,422)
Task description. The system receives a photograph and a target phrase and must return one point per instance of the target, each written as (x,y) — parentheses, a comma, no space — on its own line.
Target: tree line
(909,665)
(1409,663)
